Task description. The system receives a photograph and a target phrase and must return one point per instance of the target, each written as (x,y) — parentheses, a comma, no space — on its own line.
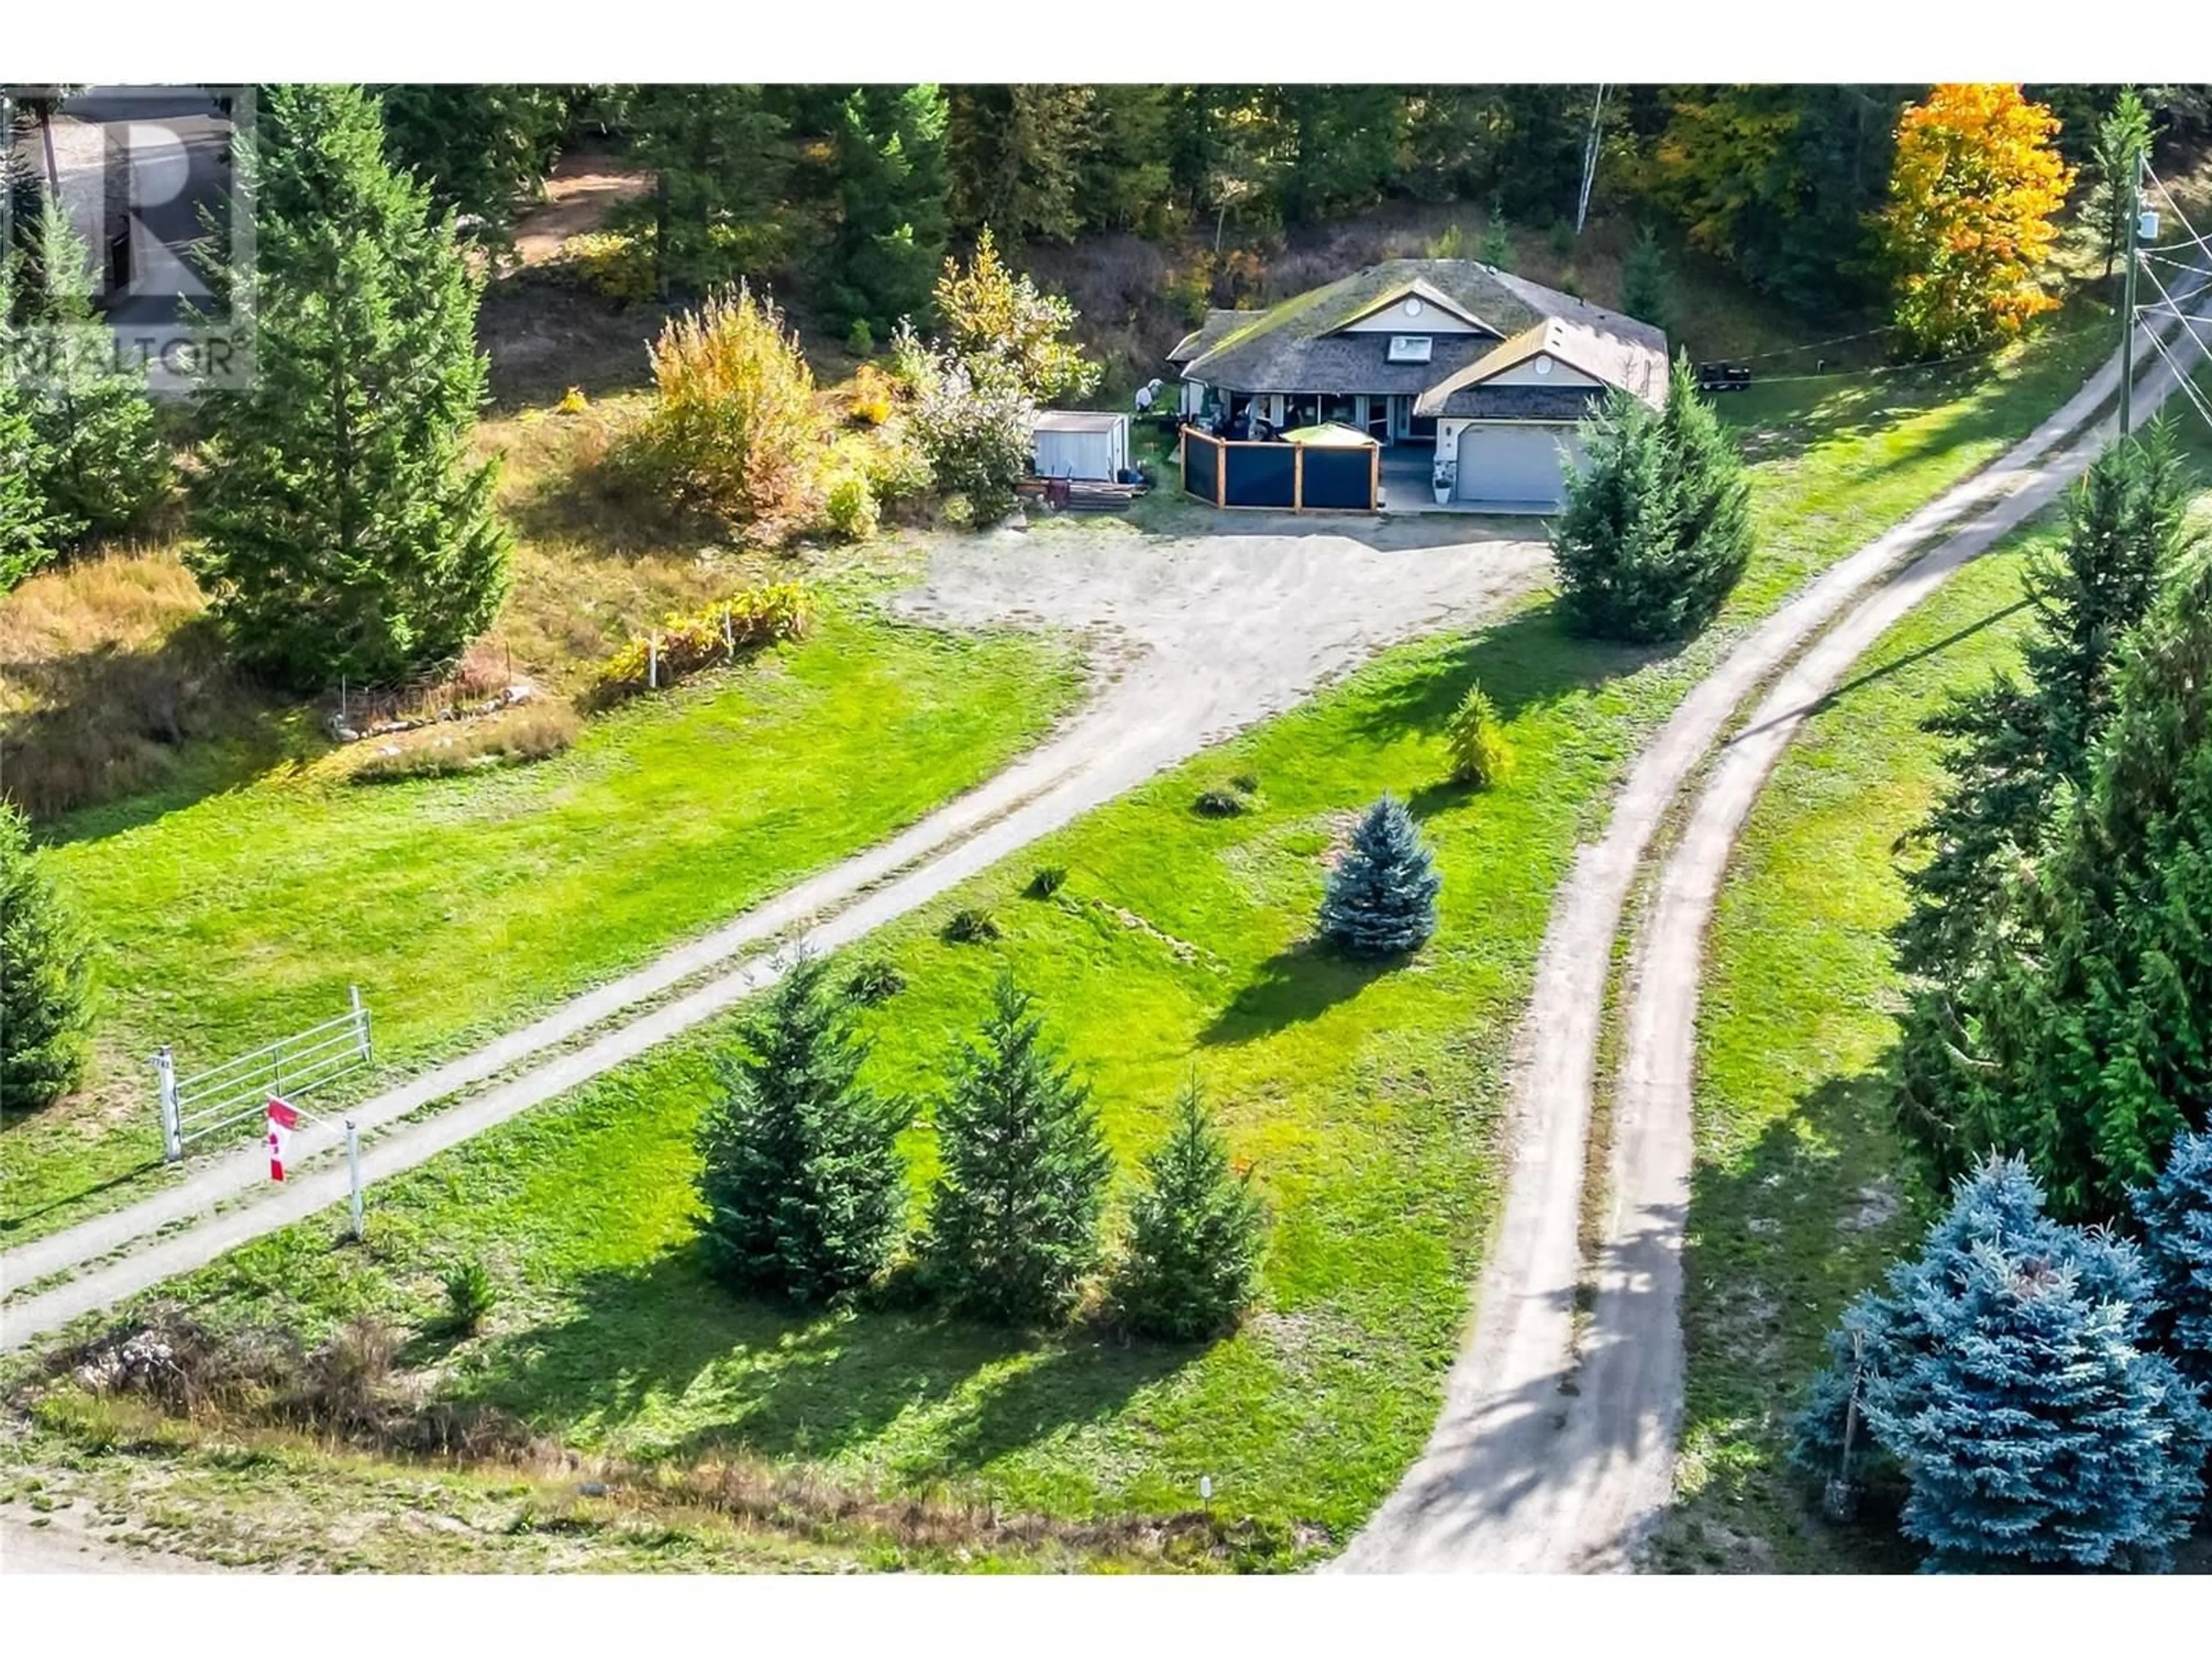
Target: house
(1080,443)
(1471,379)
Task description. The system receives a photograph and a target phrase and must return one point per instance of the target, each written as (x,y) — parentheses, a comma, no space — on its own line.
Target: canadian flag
(282,1120)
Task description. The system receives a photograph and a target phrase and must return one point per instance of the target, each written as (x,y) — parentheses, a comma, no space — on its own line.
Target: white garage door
(1515,465)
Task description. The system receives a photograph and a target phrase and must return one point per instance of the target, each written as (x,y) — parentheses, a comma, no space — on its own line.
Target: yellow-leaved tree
(1968,227)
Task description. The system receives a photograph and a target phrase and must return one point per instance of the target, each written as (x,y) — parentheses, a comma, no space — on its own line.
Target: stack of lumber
(1080,495)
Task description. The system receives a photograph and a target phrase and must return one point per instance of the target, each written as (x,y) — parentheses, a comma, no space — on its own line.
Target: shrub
(470,1296)
(733,429)
(746,621)
(530,731)
(975,435)
(1048,880)
(851,508)
(1014,1222)
(1382,896)
(1479,754)
(972,925)
(800,1175)
(871,395)
(1245,783)
(861,339)
(44,978)
(573,402)
(1219,804)
(875,981)
(608,262)
(1656,531)
(1196,1234)
(1562,239)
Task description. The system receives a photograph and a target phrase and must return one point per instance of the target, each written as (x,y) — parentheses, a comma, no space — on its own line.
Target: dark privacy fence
(1298,477)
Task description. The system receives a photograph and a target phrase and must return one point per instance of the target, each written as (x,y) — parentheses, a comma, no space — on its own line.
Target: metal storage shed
(1077,443)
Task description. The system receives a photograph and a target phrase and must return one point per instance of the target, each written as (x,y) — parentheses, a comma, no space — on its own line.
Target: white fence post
(653,662)
(353,1173)
(729,635)
(173,1133)
(360,1020)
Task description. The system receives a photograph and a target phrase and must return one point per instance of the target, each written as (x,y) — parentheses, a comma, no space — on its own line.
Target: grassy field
(458,905)
(1368,1103)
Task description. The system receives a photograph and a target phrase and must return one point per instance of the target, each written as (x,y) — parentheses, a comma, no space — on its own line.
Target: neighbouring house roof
(1636,365)
(1297,346)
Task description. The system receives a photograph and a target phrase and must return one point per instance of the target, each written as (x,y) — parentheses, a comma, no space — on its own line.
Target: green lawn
(460,905)
(1368,1103)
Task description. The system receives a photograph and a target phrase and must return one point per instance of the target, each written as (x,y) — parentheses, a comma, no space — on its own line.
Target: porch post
(1221,476)
(1298,477)
(1374,477)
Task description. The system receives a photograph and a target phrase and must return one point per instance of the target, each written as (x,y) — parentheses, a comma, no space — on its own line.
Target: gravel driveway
(1194,638)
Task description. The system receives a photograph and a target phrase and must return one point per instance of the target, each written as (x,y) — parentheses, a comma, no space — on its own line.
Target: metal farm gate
(238,1090)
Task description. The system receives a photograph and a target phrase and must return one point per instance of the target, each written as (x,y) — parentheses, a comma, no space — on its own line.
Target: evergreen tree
(1643,280)
(890,197)
(2123,140)
(2038,1434)
(1338,146)
(1123,175)
(43,979)
(1014,1222)
(1657,531)
(2093,1026)
(481,149)
(31,533)
(107,467)
(1014,156)
(1497,245)
(1382,896)
(2012,746)
(2007,1393)
(720,159)
(1480,753)
(800,1175)
(1196,1232)
(342,528)
(2175,1213)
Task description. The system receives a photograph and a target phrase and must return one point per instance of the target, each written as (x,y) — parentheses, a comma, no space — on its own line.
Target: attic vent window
(1410,348)
(1413,306)
(1543,365)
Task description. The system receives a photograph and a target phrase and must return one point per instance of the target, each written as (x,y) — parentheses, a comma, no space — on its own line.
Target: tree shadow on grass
(1529,661)
(733,1372)
(118,737)
(1298,983)
(1781,1238)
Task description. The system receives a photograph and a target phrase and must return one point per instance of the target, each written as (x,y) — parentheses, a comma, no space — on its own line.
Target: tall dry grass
(108,667)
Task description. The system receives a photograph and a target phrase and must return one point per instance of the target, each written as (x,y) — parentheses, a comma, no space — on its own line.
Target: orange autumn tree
(1968,227)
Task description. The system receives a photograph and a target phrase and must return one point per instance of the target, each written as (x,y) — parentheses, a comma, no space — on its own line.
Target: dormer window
(1410,348)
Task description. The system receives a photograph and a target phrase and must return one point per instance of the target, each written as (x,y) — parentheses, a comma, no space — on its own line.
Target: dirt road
(1554,1450)
(1194,640)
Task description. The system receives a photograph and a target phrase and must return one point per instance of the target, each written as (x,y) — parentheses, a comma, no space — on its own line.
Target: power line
(2181,378)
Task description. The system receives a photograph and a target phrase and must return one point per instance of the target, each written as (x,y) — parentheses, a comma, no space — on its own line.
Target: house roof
(1636,366)
(1294,346)
(1523,402)
(1077,420)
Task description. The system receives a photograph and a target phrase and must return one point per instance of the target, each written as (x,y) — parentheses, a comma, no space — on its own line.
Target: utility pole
(2128,298)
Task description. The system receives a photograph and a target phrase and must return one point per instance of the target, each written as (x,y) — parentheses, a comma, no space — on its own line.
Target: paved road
(1554,1455)
(1196,640)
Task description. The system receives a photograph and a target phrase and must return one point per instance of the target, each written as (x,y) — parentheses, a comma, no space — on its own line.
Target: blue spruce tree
(2035,1433)
(2007,1392)
(1382,896)
(2176,1213)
